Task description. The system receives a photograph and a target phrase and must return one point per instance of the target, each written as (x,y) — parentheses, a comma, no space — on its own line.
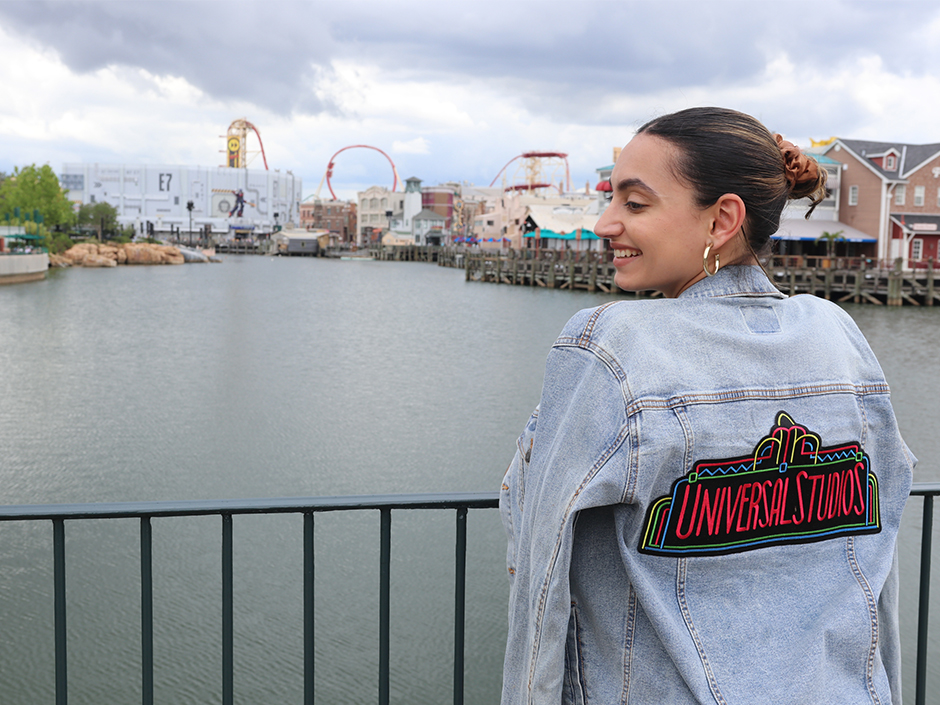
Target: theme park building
(155,198)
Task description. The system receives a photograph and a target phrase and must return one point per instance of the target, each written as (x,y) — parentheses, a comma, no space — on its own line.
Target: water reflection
(293,377)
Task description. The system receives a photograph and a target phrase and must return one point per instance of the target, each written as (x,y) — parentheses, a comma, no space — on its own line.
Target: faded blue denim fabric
(704,506)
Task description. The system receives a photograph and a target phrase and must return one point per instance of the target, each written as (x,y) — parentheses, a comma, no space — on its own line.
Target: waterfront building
(530,221)
(414,224)
(563,226)
(603,188)
(376,206)
(799,236)
(444,200)
(469,202)
(501,221)
(336,217)
(155,197)
(891,192)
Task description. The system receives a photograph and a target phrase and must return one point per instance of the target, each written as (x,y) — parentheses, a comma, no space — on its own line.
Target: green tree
(830,239)
(101,216)
(35,188)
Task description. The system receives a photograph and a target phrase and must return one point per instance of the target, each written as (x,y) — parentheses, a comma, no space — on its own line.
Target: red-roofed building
(891,191)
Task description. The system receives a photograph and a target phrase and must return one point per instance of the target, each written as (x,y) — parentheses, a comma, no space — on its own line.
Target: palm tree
(831,239)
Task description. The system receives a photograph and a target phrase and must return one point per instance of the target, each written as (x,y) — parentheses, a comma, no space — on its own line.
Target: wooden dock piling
(841,279)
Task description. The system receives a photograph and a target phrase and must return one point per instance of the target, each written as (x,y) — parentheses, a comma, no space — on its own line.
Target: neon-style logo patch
(791,490)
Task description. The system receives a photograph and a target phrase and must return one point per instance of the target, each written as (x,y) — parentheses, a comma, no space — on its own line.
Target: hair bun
(800,171)
(804,177)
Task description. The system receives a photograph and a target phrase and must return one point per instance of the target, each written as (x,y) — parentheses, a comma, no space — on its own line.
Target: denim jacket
(703,507)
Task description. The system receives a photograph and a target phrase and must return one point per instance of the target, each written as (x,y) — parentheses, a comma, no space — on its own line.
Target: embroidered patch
(791,490)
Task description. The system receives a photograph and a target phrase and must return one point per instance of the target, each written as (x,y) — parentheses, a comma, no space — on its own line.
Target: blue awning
(811,230)
(585,235)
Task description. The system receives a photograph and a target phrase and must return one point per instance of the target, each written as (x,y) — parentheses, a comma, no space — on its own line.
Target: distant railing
(461,502)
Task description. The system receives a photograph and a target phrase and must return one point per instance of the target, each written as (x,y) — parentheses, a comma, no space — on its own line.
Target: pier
(238,247)
(857,280)
(840,279)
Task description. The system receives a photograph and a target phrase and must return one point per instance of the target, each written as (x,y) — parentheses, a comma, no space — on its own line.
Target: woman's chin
(628,283)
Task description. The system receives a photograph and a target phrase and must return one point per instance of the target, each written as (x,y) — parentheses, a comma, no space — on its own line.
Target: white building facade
(158,195)
(375,205)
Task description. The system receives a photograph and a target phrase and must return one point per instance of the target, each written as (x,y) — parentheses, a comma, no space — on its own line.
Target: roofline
(864,161)
(885,153)
(923,163)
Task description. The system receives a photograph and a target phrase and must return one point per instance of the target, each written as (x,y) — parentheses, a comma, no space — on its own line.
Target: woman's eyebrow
(626,184)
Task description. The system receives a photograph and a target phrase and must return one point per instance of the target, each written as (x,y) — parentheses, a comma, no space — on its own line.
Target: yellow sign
(234,152)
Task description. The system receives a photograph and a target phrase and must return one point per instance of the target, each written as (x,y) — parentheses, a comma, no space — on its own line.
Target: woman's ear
(728,213)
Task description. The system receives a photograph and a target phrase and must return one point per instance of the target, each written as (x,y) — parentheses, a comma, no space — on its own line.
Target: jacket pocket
(572,689)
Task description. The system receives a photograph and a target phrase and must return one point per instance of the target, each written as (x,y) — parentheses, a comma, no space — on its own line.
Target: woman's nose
(605,226)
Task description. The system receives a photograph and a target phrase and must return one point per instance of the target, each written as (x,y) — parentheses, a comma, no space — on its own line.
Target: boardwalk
(854,280)
(238,247)
(842,279)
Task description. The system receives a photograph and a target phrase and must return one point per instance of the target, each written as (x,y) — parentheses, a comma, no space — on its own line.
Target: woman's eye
(608,197)
(634,206)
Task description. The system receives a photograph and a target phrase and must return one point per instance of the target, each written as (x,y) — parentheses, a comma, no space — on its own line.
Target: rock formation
(92,254)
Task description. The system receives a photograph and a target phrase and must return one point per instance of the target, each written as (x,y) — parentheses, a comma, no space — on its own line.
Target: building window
(917,249)
(900,194)
(919,195)
(373,203)
(853,195)
(890,163)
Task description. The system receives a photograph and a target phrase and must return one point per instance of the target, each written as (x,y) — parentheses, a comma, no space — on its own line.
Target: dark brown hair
(724,151)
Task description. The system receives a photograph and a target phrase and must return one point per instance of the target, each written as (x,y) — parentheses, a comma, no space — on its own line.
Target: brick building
(891,190)
(339,217)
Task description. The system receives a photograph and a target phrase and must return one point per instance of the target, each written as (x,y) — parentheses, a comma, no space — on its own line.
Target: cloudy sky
(451,90)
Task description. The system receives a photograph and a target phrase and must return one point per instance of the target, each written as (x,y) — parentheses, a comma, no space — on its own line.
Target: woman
(704,506)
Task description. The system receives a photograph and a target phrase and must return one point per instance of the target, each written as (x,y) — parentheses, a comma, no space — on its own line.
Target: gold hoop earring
(708,248)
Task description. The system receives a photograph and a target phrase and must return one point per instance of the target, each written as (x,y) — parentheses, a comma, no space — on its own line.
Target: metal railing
(145,511)
(928,490)
(460,502)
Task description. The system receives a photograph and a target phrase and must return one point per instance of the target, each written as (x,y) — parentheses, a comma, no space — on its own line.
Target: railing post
(460,603)
(920,697)
(384,591)
(228,632)
(146,611)
(308,609)
(61,635)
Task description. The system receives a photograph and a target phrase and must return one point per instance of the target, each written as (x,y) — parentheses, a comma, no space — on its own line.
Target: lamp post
(189,207)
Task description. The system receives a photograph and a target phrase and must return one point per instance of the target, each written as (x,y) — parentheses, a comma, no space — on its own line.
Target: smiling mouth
(620,254)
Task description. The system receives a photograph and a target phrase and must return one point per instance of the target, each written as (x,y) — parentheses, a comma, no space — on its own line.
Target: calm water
(267,377)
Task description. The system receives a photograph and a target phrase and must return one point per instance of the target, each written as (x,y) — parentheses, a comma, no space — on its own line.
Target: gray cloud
(233,50)
(561,58)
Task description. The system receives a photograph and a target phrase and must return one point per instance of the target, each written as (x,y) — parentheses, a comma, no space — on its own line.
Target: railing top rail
(275,505)
(925,488)
(280,505)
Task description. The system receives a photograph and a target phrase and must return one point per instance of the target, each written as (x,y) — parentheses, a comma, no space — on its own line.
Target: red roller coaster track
(536,155)
(331,164)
